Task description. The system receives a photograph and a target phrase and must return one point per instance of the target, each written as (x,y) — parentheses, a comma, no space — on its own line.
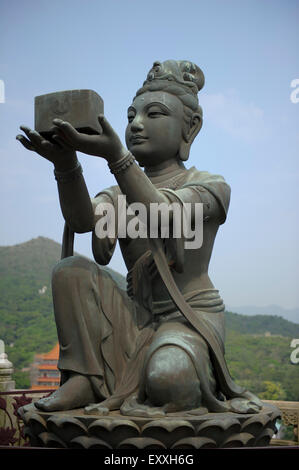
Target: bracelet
(69,175)
(122,164)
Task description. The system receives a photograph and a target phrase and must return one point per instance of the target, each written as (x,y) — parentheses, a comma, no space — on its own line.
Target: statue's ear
(188,138)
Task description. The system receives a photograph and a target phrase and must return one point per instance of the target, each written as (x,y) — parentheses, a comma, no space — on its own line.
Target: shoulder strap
(67,242)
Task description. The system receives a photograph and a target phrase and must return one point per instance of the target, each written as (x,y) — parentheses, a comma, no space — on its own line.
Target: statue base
(74,429)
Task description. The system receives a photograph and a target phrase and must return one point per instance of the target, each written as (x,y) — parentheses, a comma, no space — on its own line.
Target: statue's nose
(137,124)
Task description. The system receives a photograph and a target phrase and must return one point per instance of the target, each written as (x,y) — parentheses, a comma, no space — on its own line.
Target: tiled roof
(43,387)
(47,367)
(48,379)
(53,354)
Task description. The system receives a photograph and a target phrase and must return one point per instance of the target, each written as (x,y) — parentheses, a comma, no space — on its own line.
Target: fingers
(35,141)
(25,142)
(107,128)
(34,137)
(46,146)
(61,142)
(67,131)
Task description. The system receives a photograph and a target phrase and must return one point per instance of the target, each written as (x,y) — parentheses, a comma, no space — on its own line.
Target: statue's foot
(132,407)
(96,409)
(76,392)
(242,405)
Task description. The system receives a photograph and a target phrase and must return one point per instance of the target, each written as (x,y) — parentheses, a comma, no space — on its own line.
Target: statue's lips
(137,139)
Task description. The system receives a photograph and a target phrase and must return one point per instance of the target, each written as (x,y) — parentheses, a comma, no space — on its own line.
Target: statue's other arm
(75,201)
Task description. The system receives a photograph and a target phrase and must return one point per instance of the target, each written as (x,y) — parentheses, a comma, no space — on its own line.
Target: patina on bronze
(157,348)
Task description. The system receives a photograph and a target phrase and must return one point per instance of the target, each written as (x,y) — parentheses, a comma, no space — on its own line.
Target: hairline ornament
(183,79)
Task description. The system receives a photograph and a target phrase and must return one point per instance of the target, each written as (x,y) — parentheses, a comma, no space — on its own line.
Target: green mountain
(27,325)
(291,314)
(30,260)
(257,347)
(261,324)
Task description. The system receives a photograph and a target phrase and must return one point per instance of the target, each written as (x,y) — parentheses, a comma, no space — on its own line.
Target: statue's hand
(63,156)
(106,145)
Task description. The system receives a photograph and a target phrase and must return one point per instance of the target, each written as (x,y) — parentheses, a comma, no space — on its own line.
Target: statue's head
(165,116)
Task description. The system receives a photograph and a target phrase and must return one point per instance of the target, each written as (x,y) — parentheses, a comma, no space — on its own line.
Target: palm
(105,145)
(55,153)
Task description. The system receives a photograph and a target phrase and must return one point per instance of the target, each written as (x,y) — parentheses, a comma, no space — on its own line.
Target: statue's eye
(131,117)
(155,113)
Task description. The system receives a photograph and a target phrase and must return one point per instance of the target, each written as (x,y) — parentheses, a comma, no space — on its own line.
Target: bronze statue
(159,347)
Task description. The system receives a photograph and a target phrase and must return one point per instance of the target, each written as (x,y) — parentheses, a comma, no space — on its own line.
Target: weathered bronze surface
(157,347)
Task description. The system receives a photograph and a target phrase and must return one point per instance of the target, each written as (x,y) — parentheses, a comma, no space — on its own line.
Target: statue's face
(154,130)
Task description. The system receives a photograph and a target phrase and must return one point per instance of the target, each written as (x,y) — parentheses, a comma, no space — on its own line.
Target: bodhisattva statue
(159,347)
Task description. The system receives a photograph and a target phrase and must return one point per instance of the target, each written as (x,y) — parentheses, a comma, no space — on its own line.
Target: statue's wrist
(122,164)
(69,175)
(66,164)
(117,156)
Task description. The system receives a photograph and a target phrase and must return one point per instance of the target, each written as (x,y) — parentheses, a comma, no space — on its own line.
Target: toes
(96,409)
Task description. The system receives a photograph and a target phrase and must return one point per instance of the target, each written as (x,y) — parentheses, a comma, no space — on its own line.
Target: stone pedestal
(6,371)
(74,429)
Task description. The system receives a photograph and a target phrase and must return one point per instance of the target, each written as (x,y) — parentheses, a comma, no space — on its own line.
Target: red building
(44,372)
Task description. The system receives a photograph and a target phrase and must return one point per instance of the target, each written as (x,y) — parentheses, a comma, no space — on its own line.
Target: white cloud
(226,110)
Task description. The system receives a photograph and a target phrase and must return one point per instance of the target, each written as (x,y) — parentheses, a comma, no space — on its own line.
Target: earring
(184,151)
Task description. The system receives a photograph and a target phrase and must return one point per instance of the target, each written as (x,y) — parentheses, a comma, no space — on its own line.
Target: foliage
(27,323)
(22,380)
(259,362)
(272,391)
(261,324)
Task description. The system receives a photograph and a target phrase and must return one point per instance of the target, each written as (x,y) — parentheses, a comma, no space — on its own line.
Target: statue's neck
(165,170)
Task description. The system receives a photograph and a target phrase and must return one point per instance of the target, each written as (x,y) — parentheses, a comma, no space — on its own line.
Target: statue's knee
(69,268)
(171,378)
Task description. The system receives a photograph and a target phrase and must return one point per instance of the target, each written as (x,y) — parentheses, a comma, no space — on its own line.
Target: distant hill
(261,325)
(27,323)
(35,260)
(291,315)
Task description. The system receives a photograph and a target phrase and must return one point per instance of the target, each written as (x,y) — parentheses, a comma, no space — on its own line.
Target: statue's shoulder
(214,184)
(197,177)
(112,192)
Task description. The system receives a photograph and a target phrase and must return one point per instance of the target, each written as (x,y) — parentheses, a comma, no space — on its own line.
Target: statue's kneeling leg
(171,379)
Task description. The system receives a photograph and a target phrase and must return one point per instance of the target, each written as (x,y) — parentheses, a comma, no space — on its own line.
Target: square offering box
(81,108)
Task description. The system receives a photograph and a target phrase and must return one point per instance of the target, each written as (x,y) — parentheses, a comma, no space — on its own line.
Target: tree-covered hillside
(27,325)
(261,324)
(262,364)
(257,347)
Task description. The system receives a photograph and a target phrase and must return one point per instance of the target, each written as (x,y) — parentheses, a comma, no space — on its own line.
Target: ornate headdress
(178,77)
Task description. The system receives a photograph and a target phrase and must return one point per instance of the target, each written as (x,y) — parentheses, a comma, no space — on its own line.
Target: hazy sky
(248,51)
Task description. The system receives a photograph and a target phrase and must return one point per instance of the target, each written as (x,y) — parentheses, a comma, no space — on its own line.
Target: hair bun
(183,72)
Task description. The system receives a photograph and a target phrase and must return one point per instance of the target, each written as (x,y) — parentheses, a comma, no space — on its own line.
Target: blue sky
(248,51)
